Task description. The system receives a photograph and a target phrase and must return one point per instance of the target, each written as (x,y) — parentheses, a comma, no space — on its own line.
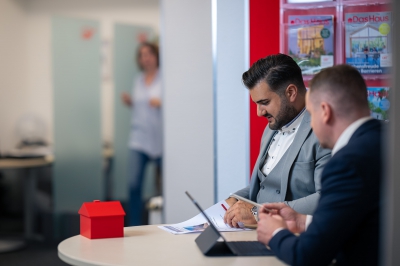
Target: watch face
(254,211)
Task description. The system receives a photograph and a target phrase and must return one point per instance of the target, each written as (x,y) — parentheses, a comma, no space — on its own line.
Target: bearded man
(291,160)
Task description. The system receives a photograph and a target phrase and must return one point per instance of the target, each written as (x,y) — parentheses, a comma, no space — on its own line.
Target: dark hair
(345,86)
(154,50)
(278,71)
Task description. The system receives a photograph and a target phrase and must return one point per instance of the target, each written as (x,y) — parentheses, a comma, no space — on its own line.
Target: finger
(225,217)
(272,211)
(277,217)
(229,219)
(266,210)
(228,213)
(235,222)
(262,216)
(274,206)
(261,231)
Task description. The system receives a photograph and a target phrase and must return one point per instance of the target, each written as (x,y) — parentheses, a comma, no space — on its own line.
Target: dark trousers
(137,165)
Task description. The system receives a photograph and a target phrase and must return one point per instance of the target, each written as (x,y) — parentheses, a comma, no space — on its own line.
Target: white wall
(188,106)
(13,98)
(206,113)
(232,98)
(26,29)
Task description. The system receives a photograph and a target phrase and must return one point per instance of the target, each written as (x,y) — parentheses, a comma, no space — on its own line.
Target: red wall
(264,40)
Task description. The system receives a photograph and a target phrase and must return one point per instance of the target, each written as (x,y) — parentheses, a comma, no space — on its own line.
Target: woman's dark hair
(154,50)
(278,71)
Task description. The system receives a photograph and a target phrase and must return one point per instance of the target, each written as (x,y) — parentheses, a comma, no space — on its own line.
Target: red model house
(102,219)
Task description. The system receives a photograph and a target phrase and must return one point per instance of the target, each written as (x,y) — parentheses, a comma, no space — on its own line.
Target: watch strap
(254,211)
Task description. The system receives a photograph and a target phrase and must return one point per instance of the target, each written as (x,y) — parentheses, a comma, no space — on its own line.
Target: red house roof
(101,208)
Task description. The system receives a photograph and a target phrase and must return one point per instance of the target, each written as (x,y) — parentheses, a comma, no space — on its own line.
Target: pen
(249,201)
(223,206)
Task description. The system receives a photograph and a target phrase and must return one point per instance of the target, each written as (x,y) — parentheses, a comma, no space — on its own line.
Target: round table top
(149,245)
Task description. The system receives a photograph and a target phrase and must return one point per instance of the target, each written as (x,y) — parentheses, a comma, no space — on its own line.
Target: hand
(295,221)
(239,212)
(231,201)
(155,102)
(126,99)
(267,224)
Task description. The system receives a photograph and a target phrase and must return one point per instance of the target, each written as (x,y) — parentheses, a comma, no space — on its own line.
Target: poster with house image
(378,102)
(311,42)
(368,41)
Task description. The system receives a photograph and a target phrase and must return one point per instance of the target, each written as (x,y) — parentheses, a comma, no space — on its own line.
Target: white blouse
(146,123)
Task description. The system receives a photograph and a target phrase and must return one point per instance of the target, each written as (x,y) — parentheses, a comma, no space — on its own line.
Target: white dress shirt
(281,142)
(348,132)
(340,143)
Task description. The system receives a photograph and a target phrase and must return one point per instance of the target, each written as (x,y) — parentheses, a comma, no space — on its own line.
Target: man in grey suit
(290,162)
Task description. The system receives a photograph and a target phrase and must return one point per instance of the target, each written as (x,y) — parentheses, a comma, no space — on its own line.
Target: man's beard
(286,114)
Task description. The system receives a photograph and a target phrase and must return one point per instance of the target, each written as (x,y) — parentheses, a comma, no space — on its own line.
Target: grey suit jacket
(302,170)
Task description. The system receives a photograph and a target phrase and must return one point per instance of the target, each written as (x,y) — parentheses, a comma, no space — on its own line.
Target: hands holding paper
(238,211)
(279,216)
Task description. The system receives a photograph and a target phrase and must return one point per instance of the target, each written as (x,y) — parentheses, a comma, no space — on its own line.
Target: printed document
(199,222)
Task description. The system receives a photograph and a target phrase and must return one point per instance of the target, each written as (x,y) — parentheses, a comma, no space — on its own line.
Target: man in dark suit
(345,225)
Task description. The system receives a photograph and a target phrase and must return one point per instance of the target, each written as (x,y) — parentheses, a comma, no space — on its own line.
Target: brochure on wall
(199,223)
(311,42)
(378,102)
(368,41)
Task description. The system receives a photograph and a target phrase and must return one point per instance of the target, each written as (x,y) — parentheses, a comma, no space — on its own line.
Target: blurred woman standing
(145,141)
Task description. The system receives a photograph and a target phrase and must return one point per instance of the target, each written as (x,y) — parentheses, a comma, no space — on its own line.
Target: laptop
(208,242)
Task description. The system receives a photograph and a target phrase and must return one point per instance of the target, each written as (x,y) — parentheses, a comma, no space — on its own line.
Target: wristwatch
(254,211)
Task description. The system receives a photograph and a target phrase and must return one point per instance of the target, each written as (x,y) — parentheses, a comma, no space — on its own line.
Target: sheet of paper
(199,222)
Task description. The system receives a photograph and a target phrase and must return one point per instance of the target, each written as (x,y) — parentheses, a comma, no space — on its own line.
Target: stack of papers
(199,222)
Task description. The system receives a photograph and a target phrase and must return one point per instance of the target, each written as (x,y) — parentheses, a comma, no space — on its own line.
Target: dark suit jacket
(345,224)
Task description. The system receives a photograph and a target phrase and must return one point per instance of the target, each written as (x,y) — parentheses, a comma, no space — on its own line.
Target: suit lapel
(255,183)
(293,150)
(266,141)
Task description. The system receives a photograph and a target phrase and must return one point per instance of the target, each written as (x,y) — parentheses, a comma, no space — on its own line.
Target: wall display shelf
(320,34)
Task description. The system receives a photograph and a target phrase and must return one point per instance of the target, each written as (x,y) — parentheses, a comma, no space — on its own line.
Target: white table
(149,245)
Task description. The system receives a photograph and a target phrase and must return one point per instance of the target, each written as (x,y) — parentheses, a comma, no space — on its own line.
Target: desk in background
(29,186)
(29,191)
(149,245)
